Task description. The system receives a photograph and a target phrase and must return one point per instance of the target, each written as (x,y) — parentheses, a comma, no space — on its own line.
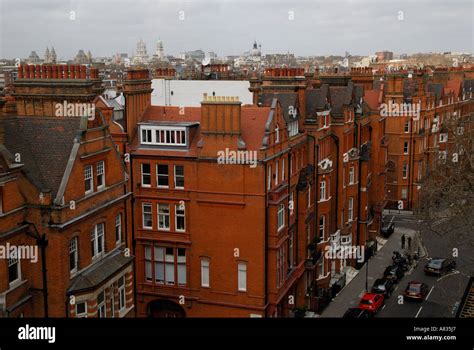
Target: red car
(371,302)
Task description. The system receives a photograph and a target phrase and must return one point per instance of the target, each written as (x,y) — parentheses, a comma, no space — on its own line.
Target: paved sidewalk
(350,295)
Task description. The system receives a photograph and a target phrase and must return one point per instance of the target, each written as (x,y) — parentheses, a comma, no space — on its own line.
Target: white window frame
(350,209)
(148,254)
(269,177)
(405,171)
(163,215)
(144,174)
(118,228)
(16,261)
(322,190)
(177,215)
(242,277)
(351,175)
(164,135)
(205,273)
(276,173)
(122,294)
(100,175)
(101,305)
(277,134)
(406,143)
(309,195)
(322,227)
(146,204)
(73,249)
(443,138)
(180,176)
(96,239)
(281,217)
(283,170)
(404,193)
(181,263)
(406,127)
(158,176)
(82,314)
(89,177)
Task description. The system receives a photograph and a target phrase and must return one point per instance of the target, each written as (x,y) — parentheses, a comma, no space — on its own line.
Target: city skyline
(184,26)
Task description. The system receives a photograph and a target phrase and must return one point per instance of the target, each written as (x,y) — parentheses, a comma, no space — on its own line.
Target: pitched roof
(340,96)
(286,99)
(316,100)
(100,272)
(44,146)
(436,89)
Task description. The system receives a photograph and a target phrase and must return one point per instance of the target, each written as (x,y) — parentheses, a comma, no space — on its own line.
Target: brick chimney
(40,88)
(137,92)
(220,125)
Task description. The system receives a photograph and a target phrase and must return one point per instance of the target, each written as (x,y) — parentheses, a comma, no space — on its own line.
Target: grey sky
(230,26)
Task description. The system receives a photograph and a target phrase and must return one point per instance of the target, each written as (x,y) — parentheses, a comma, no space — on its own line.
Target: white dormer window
(163,135)
(443,138)
(293,128)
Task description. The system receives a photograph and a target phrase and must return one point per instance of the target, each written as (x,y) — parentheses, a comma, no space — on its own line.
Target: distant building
(197,55)
(50,56)
(160,55)
(141,55)
(33,58)
(82,58)
(384,55)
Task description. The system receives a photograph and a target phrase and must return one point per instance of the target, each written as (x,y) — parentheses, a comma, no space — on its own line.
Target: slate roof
(99,272)
(468,85)
(436,89)
(316,100)
(340,96)
(286,100)
(44,145)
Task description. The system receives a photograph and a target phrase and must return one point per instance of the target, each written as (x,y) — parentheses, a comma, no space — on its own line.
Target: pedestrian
(409,242)
(403,241)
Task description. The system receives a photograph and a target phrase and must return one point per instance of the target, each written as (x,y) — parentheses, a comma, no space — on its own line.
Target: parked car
(355,312)
(371,302)
(439,266)
(394,273)
(416,291)
(387,230)
(383,286)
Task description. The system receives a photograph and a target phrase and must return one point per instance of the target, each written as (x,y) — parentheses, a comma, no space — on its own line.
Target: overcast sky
(229,27)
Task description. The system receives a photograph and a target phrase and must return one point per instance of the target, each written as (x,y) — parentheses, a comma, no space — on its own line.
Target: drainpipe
(265,254)
(410,152)
(42,242)
(336,141)
(133,235)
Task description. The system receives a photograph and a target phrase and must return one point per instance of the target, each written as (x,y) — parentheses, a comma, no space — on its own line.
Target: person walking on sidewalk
(403,241)
(409,243)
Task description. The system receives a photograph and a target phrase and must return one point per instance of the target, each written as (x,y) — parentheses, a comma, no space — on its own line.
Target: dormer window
(163,135)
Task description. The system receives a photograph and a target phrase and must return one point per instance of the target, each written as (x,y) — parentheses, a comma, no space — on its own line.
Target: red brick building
(219,233)
(417,141)
(63,190)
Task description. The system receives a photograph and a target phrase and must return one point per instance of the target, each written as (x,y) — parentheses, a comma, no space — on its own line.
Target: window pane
(163,175)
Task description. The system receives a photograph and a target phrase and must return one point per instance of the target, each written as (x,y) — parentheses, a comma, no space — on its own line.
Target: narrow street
(445,291)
